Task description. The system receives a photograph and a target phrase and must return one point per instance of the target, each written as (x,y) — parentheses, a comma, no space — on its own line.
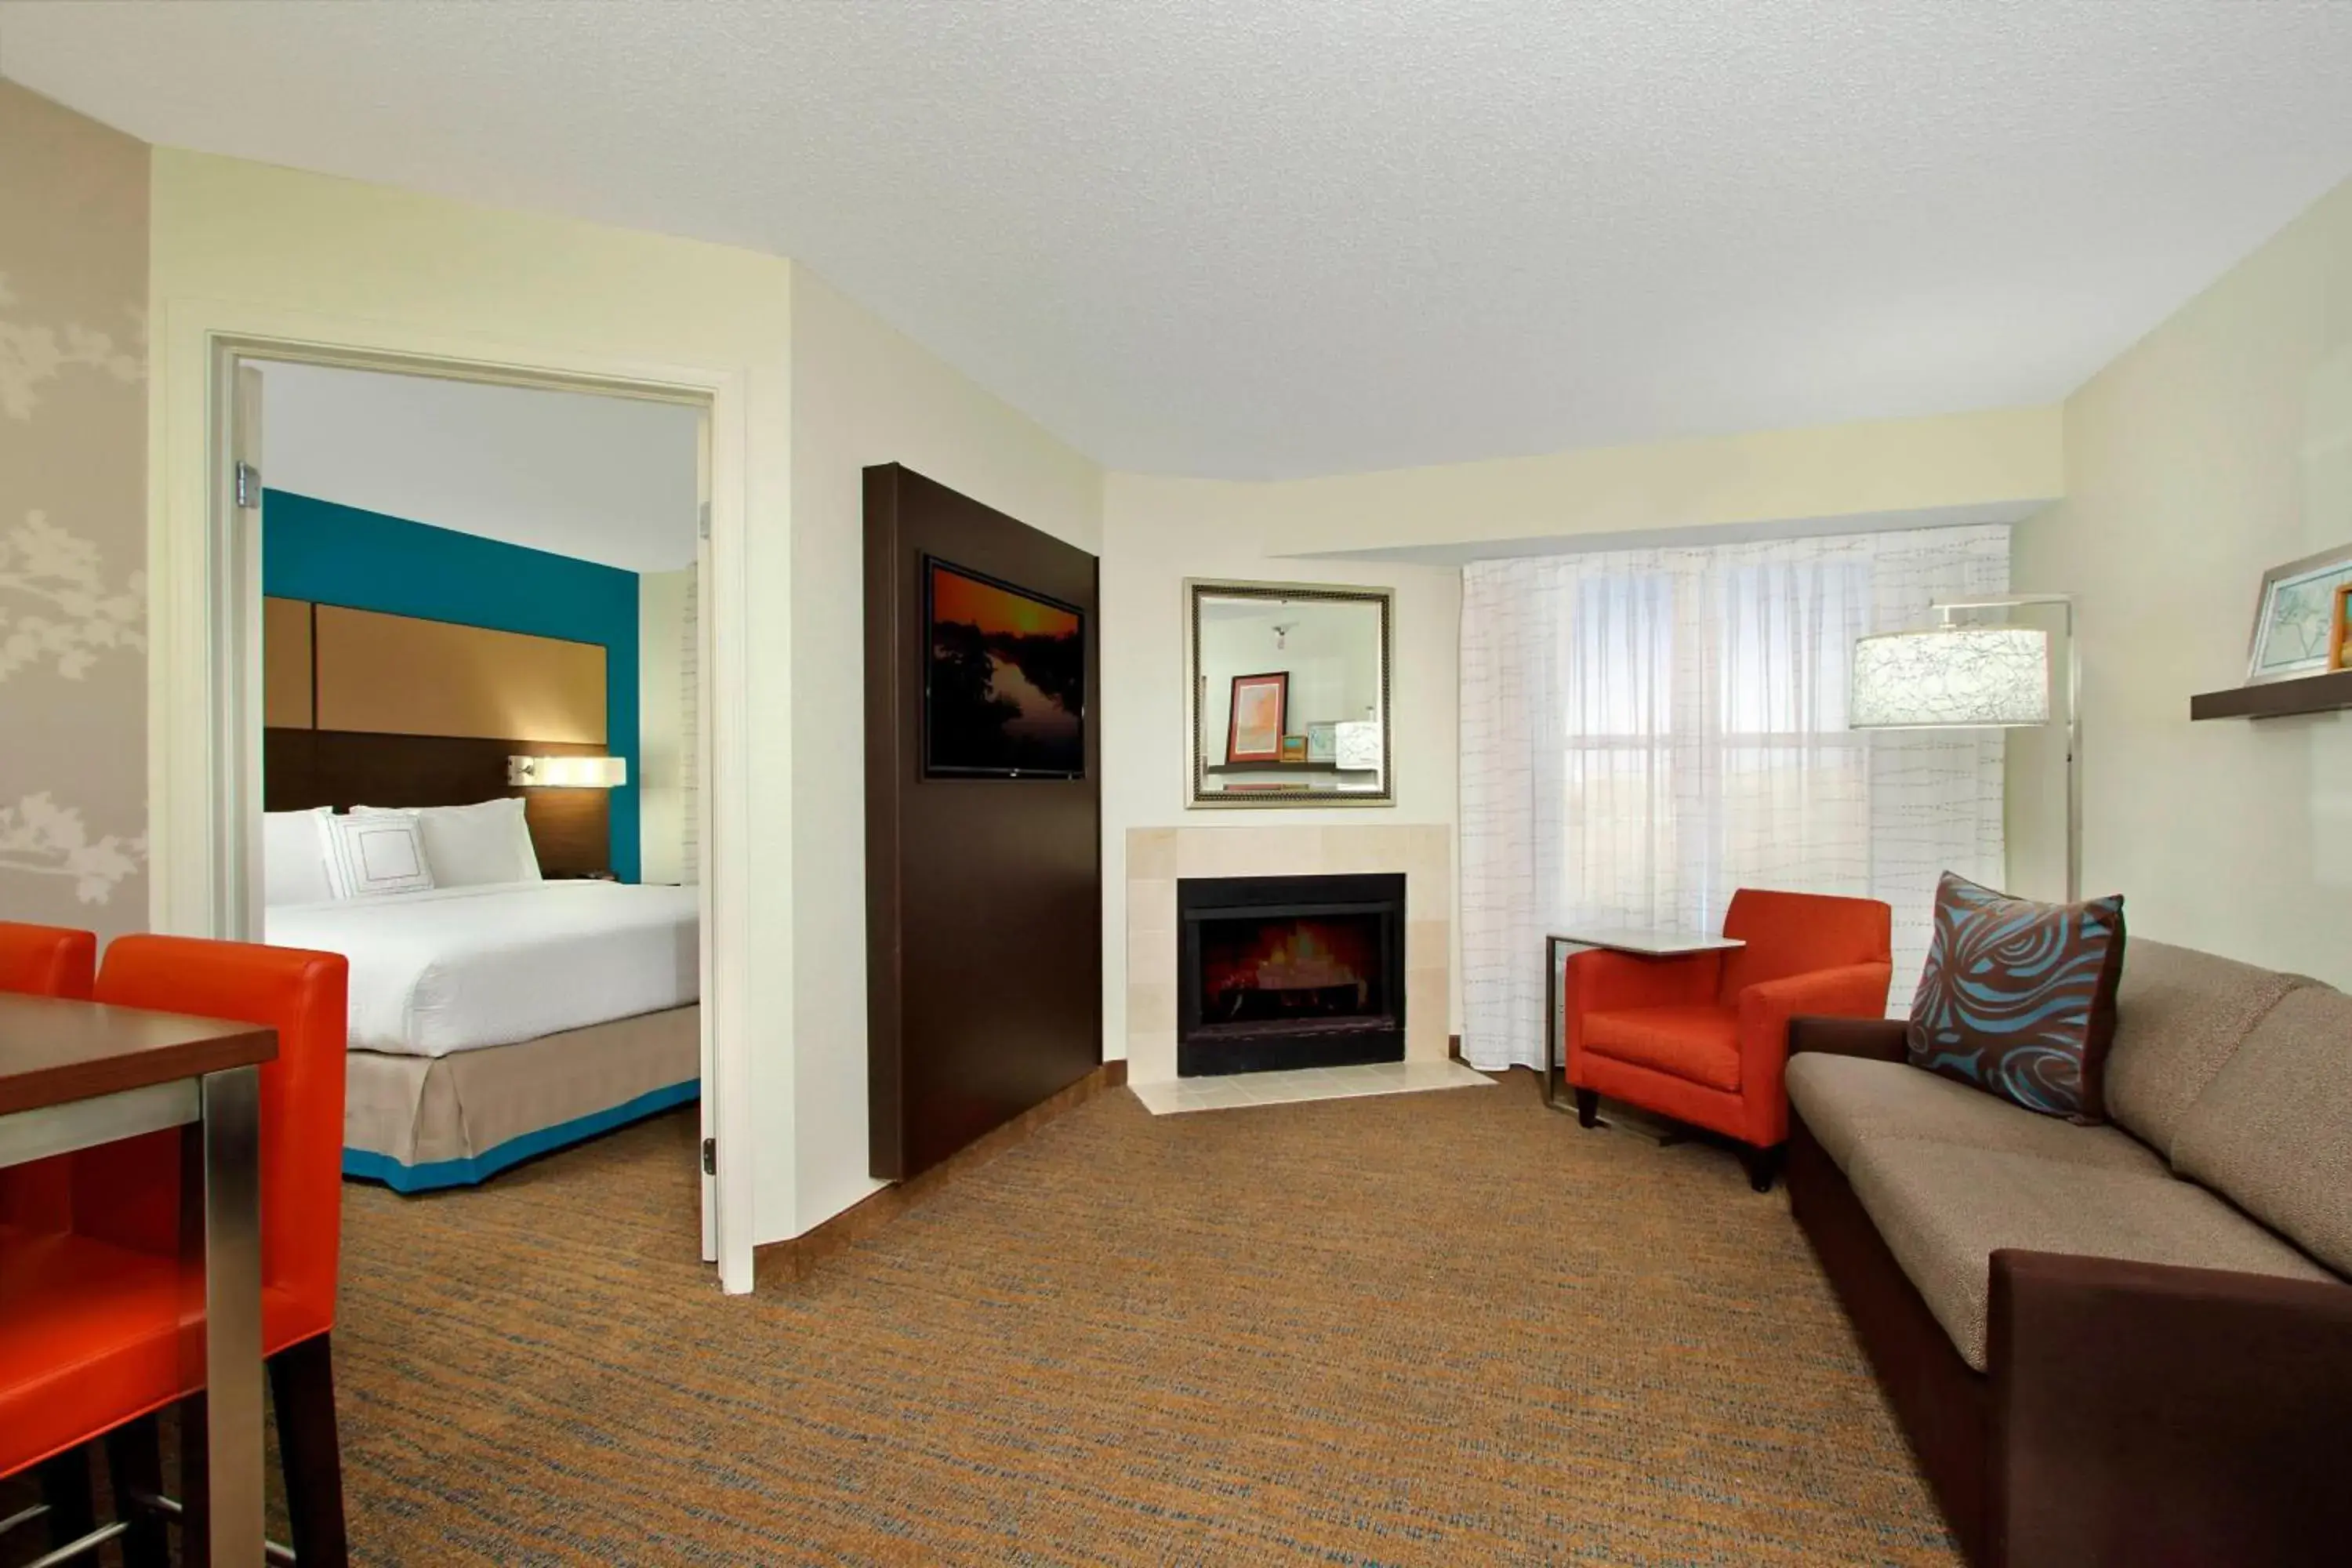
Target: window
(1645,731)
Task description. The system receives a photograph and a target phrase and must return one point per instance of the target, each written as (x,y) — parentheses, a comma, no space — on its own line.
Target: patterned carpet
(1427,1329)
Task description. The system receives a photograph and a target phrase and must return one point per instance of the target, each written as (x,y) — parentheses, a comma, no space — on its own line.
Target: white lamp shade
(568,773)
(1952,677)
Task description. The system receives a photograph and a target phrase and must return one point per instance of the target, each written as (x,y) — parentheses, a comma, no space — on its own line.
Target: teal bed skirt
(368,1165)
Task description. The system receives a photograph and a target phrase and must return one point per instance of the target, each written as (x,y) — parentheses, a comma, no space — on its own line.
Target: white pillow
(383,852)
(468,846)
(294,857)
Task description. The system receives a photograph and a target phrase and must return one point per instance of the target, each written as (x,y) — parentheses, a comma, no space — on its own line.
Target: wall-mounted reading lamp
(568,773)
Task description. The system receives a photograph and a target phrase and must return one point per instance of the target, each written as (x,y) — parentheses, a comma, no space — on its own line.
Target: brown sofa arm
(1880,1039)
(2147,1415)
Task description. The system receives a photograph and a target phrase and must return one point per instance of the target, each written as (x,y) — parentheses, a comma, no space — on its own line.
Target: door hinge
(248,485)
(702,520)
(710,1156)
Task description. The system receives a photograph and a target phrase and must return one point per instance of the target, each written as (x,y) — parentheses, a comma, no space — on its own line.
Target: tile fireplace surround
(1157,857)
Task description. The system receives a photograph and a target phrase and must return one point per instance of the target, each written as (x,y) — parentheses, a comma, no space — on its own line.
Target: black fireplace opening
(1289,971)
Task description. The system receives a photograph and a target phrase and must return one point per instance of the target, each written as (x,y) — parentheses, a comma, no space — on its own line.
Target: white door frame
(203,696)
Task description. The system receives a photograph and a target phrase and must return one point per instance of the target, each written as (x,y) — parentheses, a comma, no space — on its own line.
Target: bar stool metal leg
(134,1461)
(232,1134)
(66,1495)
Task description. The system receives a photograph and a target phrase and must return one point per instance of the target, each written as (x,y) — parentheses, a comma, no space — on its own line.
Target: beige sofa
(2126,1344)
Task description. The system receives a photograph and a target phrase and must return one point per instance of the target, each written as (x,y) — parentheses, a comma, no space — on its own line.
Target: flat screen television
(1003,680)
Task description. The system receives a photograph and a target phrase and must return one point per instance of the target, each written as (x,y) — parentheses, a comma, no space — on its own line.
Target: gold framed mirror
(1287,694)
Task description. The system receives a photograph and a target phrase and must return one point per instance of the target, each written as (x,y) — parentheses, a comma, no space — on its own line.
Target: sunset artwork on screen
(1004,693)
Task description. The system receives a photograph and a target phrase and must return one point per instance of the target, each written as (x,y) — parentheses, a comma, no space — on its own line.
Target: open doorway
(469,636)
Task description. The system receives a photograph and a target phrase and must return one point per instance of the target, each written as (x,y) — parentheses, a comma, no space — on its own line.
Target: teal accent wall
(332,554)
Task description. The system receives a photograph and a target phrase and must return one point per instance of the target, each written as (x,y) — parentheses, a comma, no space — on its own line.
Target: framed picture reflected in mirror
(1260,704)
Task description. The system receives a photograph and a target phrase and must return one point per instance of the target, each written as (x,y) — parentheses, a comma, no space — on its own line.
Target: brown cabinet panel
(983,895)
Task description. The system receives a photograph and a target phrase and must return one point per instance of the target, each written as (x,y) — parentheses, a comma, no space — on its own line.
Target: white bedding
(456,969)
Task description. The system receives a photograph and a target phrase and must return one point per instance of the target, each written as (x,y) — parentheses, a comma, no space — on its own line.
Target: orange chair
(1703,1038)
(43,961)
(92,1336)
(128,1362)
(47,961)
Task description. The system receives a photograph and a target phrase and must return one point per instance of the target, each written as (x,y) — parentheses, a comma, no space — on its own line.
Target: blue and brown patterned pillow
(2018,997)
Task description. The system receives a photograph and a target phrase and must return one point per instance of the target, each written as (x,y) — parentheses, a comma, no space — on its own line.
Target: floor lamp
(1954,676)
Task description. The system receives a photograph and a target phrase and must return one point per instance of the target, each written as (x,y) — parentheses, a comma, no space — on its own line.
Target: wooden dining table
(75,1074)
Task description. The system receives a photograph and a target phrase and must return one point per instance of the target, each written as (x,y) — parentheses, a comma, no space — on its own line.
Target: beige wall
(862,395)
(73,419)
(1156,534)
(1992,467)
(2220,446)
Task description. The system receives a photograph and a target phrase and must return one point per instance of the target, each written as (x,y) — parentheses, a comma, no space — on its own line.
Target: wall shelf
(2275,699)
(1283,768)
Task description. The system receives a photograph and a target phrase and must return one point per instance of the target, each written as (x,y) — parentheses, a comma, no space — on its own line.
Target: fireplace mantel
(1157,858)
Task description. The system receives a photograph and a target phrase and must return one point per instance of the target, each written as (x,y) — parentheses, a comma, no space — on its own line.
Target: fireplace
(1288,971)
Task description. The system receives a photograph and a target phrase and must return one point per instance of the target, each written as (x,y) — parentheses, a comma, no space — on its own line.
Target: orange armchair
(1703,1038)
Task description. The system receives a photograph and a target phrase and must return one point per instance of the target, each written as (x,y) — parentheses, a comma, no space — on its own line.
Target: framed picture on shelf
(1357,745)
(2297,616)
(2339,629)
(1322,742)
(1260,705)
(1294,748)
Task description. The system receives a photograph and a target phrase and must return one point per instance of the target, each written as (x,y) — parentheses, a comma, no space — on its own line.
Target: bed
(504,1001)
(492,1023)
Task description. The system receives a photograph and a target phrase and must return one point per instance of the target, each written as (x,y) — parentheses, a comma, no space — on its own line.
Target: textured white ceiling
(609,479)
(1235,238)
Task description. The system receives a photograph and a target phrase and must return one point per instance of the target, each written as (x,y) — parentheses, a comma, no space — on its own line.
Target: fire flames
(1298,961)
(1310,967)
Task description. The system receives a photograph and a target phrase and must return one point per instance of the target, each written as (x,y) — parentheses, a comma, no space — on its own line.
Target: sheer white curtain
(1643,731)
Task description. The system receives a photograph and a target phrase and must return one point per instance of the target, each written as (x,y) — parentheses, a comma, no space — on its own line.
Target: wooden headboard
(361,707)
